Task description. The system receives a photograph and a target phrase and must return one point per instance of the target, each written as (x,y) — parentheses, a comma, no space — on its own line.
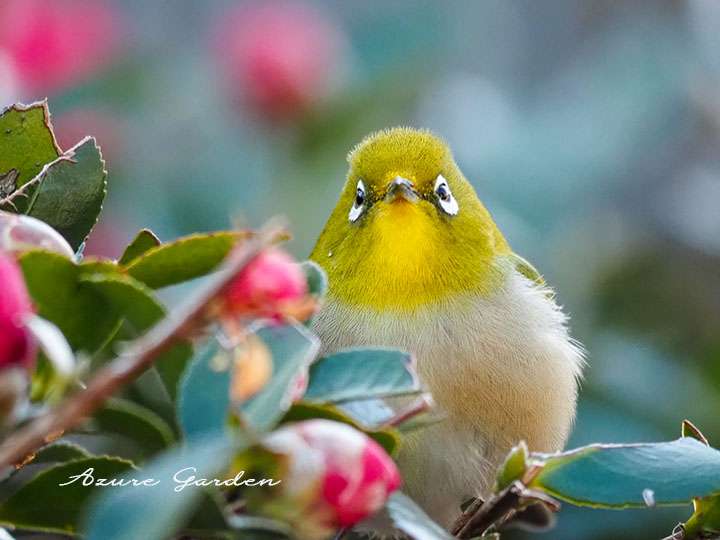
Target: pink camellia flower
(335,476)
(279,57)
(17,348)
(55,43)
(270,286)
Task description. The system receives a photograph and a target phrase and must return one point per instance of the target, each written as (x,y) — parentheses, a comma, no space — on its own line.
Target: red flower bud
(336,476)
(16,345)
(267,286)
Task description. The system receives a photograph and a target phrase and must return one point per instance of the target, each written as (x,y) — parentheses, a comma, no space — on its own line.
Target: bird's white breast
(501,367)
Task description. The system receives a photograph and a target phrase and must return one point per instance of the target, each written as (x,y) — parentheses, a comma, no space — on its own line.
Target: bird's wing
(525,268)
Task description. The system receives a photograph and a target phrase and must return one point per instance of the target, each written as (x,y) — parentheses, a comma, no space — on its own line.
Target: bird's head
(408,229)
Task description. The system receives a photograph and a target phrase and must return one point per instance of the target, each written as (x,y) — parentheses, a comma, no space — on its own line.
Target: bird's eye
(446,201)
(359,202)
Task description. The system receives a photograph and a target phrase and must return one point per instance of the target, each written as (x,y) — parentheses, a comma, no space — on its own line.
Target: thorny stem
(186,322)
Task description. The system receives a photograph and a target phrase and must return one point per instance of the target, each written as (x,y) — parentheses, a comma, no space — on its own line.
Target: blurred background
(590,128)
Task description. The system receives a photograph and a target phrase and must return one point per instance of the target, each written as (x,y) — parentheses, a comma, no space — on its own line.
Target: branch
(500,509)
(186,322)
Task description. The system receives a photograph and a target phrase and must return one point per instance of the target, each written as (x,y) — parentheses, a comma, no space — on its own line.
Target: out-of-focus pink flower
(9,83)
(20,233)
(279,57)
(71,127)
(17,348)
(55,43)
(270,284)
(336,476)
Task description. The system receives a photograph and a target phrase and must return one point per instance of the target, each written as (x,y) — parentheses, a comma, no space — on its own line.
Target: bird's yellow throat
(404,253)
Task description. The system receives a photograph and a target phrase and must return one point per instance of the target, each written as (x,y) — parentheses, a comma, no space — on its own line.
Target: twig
(469,512)
(494,509)
(499,509)
(138,357)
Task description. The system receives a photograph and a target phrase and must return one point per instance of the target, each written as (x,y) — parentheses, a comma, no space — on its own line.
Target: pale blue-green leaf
(361,374)
(619,476)
(204,396)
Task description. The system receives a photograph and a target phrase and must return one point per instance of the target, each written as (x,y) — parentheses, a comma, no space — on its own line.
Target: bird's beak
(401,188)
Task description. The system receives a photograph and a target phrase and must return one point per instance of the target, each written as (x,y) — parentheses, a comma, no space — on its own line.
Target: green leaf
(624,475)
(143,241)
(27,142)
(183,259)
(292,348)
(204,397)
(388,438)
(83,316)
(412,520)
(513,468)
(71,192)
(137,305)
(44,505)
(127,297)
(145,428)
(362,373)
(59,452)
(89,301)
(691,430)
(158,512)
(172,364)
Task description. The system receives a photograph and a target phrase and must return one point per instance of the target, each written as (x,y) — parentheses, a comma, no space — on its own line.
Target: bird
(414,260)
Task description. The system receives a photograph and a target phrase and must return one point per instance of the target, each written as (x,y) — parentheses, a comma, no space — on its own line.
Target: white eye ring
(445,197)
(359,202)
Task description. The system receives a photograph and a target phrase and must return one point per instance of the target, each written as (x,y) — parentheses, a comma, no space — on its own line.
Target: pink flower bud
(336,476)
(278,57)
(16,345)
(267,286)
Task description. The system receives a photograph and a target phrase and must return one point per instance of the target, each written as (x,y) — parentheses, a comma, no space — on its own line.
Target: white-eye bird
(414,260)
